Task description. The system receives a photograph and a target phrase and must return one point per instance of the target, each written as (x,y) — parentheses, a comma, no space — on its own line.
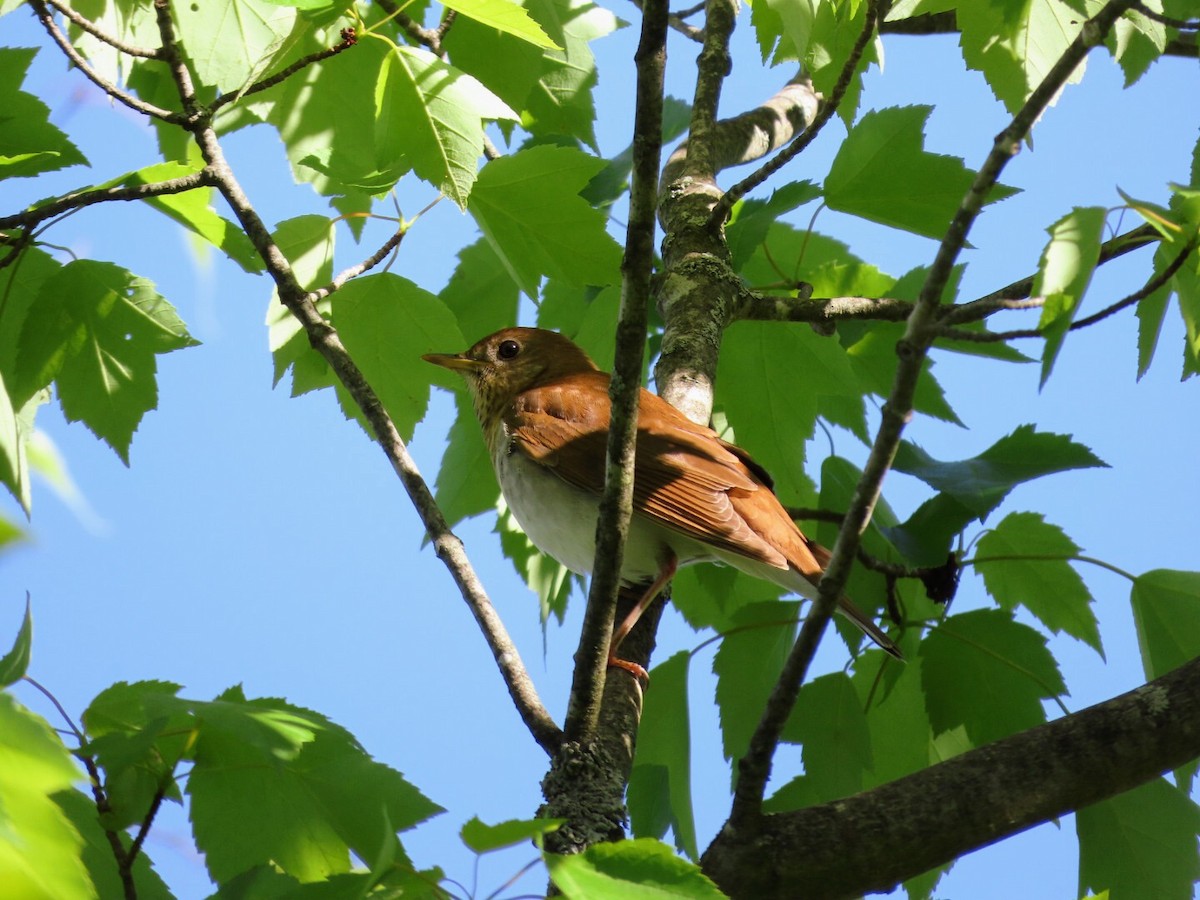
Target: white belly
(561,522)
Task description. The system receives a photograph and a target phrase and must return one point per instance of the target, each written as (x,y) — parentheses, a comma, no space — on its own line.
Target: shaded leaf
(506,16)
(660,789)
(15,663)
(1140,844)
(528,206)
(747,665)
(862,180)
(1026,573)
(387,323)
(1166,612)
(828,719)
(29,144)
(988,673)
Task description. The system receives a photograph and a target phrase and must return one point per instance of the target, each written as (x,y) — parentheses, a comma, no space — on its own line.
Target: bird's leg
(665,573)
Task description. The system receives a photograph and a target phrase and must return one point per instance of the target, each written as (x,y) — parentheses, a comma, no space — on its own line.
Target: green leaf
(1140,844)
(14,470)
(660,788)
(29,144)
(988,673)
(39,848)
(307,242)
(528,206)
(972,488)
(546,577)
(480,293)
(1150,314)
(709,595)
(387,323)
(613,181)
(747,665)
(192,209)
(97,852)
(862,180)
(1026,573)
(752,219)
(873,356)
(15,663)
(896,719)
(561,100)
(772,405)
(1015,43)
(1137,41)
(1166,611)
(458,497)
(641,869)
(505,16)
(483,838)
(1064,272)
(433,115)
(828,719)
(95,330)
(277,784)
(230,43)
(335,160)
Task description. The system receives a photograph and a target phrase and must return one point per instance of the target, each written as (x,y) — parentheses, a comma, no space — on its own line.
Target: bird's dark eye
(508,349)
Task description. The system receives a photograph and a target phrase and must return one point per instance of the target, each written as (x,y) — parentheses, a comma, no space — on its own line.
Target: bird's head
(503,365)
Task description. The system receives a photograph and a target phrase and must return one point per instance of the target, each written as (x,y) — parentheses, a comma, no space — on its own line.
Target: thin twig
(755,767)
(721,211)
(70,202)
(1155,282)
(348,39)
(616,503)
(388,246)
(1169,21)
(68,49)
(101,35)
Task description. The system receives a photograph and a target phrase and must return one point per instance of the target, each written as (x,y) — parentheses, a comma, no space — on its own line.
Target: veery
(544,409)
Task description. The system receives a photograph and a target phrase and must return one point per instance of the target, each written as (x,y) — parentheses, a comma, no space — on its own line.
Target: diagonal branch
(325,340)
(755,767)
(56,35)
(100,34)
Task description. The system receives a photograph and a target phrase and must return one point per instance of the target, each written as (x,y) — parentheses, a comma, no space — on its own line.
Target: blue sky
(262,540)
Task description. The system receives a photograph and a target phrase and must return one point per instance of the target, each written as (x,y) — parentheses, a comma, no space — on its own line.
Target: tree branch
(827,108)
(325,340)
(755,767)
(968,802)
(1156,281)
(35,216)
(616,504)
(56,35)
(348,39)
(103,36)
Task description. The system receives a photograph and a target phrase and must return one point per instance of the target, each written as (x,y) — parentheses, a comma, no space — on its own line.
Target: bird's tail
(867,625)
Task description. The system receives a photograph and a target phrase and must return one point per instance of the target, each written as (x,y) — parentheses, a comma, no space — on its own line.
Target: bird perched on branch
(544,409)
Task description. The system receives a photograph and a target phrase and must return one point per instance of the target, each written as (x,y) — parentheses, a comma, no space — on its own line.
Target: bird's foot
(632,668)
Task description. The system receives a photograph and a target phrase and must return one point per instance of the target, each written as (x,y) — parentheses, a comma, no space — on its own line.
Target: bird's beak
(456,362)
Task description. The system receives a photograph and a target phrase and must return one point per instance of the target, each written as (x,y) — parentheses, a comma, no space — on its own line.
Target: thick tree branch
(616,503)
(968,802)
(755,766)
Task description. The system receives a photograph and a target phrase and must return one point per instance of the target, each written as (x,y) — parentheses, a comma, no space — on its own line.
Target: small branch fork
(755,766)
